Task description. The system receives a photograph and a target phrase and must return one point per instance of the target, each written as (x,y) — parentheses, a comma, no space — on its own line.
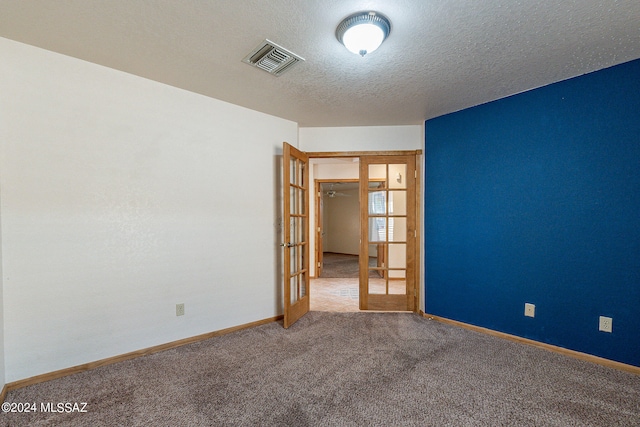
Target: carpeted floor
(344,369)
(341,265)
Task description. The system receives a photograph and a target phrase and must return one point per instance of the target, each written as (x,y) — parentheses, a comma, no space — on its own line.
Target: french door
(296,234)
(387,232)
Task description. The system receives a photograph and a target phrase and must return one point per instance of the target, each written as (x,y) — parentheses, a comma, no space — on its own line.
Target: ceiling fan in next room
(331,193)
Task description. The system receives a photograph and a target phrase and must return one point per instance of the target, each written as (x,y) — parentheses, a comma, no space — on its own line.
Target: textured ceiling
(441,56)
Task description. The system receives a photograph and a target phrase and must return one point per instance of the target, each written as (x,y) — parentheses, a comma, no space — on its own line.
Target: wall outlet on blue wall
(606,324)
(529,310)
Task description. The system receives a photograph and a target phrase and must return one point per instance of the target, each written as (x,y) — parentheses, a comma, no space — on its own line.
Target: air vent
(272,58)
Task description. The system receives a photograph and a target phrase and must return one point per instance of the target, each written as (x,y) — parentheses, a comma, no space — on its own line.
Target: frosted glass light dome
(363,32)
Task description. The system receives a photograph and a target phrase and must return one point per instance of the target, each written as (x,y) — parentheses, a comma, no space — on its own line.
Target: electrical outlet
(179,309)
(529,310)
(606,324)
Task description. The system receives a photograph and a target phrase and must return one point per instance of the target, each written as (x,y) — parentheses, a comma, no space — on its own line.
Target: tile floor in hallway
(342,294)
(339,294)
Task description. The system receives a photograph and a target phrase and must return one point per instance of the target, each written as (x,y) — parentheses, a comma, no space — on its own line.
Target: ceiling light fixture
(363,32)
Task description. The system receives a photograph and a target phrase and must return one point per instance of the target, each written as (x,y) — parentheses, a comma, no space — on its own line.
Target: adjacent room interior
(335,285)
(336,221)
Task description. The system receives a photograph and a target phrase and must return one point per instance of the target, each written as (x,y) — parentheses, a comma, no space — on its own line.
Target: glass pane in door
(377,202)
(377,286)
(397,202)
(293,290)
(397,176)
(293,171)
(303,286)
(377,229)
(397,282)
(377,173)
(300,199)
(397,229)
(297,229)
(300,173)
(376,260)
(398,255)
(293,252)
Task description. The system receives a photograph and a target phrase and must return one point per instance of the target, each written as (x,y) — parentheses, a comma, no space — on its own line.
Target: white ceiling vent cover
(272,58)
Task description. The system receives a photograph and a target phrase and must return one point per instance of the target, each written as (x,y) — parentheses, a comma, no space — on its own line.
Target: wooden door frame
(418,200)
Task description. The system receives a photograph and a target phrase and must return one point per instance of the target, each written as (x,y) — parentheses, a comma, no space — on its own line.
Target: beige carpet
(339,265)
(344,369)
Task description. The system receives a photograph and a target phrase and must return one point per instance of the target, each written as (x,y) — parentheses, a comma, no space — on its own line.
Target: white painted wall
(122,197)
(362,138)
(2,368)
(365,138)
(342,215)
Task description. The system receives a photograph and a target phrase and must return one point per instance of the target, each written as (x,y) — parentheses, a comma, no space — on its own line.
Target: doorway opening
(384,219)
(337,224)
(338,242)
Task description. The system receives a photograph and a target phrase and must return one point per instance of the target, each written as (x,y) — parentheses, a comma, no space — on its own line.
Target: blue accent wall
(536,198)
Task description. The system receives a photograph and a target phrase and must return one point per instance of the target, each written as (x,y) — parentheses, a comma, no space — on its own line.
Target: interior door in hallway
(296,234)
(388,232)
(319,229)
